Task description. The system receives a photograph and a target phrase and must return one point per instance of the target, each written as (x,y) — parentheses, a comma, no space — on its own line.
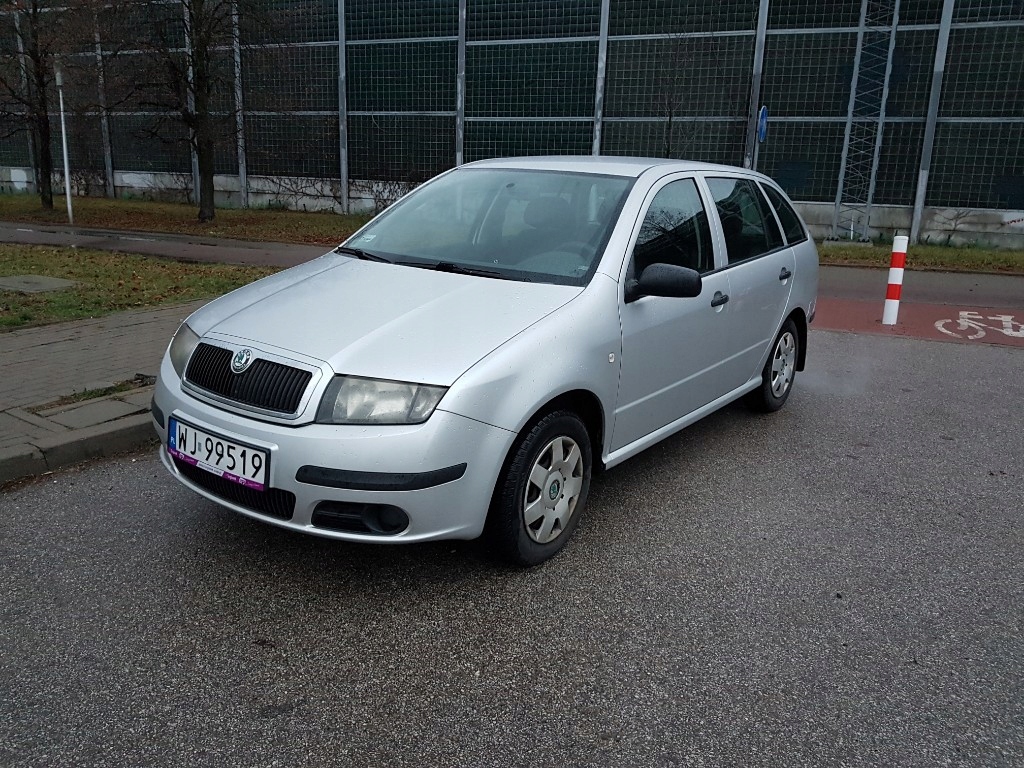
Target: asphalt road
(840,583)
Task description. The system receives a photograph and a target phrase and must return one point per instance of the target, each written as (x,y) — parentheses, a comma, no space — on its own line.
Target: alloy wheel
(783,363)
(553,489)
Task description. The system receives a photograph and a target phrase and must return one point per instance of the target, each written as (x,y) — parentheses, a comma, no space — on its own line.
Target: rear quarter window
(791,223)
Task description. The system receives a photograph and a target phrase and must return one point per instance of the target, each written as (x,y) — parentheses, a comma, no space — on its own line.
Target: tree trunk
(203,88)
(43,160)
(204,154)
(669,134)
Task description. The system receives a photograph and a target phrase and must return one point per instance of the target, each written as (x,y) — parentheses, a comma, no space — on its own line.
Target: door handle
(785,274)
(719,299)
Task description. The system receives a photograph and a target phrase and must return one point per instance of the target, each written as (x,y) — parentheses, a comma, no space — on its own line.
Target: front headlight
(182,346)
(355,400)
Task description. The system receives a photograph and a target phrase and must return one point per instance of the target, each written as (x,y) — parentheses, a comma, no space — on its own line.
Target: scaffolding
(865,120)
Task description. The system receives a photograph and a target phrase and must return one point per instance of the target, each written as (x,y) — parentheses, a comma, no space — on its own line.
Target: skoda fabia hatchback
(465,362)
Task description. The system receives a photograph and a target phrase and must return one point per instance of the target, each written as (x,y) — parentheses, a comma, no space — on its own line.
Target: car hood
(381,320)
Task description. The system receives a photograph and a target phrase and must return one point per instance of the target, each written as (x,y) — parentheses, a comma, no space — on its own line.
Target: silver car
(463,363)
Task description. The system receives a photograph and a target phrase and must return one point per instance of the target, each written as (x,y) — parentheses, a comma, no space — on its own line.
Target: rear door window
(749,227)
(791,224)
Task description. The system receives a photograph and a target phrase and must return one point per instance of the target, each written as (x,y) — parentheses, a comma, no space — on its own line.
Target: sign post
(59,82)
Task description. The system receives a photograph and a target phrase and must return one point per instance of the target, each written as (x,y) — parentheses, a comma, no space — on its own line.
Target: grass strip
(107,282)
(91,394)
(934,257)
(263,224)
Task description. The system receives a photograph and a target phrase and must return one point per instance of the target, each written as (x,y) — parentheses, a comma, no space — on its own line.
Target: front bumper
(440,473)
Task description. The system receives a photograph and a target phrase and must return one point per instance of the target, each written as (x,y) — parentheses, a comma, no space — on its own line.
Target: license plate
(225,458)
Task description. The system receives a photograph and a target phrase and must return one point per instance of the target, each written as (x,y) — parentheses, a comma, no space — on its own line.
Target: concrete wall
(939,226)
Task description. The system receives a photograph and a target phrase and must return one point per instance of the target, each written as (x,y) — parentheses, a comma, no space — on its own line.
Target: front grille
(273,501)
(264,384)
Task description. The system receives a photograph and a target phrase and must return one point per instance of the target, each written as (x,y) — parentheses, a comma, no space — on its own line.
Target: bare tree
(684,87)
(189,55)
(34,33)
(182,73)
(695,74)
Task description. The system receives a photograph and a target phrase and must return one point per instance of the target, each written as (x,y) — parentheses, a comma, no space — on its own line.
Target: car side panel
(674,359)
(577,347)
(805,284)
(759,301)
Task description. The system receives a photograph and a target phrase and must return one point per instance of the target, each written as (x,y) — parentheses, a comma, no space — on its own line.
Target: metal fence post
(101,91)
(236,45)
(342,111)
(928,144)
(23,72)
(460,88)
(190,100)
(602,71)
(755,83)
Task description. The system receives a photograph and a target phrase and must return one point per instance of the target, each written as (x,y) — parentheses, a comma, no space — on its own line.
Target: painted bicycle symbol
(972,324)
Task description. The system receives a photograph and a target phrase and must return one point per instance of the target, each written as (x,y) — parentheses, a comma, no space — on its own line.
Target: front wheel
(779,371)
(542,490)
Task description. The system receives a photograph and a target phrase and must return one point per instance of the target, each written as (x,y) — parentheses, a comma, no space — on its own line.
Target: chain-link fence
(873,103)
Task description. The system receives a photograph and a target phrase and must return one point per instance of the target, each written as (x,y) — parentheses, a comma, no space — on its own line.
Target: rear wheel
(779,371)
(542,490)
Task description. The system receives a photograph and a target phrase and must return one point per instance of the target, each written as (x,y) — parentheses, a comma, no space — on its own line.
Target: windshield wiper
(459,269)
(359,253)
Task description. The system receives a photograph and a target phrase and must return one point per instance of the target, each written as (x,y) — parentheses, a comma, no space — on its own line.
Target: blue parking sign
(762,124)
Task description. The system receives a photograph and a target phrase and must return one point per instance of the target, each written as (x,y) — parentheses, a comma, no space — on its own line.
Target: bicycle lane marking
(939,322)
(973,325)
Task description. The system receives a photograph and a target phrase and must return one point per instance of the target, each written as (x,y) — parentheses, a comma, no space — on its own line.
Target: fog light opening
(380,519)
(385,519)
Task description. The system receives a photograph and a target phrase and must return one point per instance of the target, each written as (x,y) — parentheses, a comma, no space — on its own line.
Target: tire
(779,371)
(538,499)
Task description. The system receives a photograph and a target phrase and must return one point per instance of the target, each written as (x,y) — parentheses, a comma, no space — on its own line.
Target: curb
(62,450)
(56,447)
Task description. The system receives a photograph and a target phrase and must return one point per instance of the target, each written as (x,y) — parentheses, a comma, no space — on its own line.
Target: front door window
(675,231)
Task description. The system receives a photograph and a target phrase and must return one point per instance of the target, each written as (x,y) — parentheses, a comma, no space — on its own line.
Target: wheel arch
(584,404)
(800,320)
(587,406)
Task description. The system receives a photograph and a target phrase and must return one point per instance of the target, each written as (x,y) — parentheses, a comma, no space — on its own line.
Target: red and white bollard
(892,295)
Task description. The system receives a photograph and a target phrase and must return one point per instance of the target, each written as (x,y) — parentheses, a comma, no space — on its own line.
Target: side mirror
(665,280)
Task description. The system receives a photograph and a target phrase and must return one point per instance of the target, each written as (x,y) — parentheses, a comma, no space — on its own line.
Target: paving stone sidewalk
(40,366)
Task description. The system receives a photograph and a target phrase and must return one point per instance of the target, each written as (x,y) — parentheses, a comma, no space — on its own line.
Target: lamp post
(59,79)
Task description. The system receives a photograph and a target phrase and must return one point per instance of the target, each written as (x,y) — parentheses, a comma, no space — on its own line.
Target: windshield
(539,226)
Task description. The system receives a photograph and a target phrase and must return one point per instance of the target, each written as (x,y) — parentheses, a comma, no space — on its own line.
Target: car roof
(615,166)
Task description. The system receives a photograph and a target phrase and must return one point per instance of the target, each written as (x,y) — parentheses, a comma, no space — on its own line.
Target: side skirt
(631,450)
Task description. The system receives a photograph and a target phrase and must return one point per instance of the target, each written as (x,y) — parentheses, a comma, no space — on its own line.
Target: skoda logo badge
(241,360)
(554,490)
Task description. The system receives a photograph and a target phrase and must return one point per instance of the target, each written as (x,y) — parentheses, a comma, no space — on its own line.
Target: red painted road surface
(940,322)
